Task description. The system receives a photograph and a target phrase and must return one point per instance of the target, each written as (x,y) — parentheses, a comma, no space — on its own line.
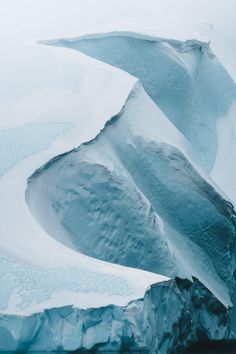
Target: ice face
(182,79)
(132,197)
(144,325)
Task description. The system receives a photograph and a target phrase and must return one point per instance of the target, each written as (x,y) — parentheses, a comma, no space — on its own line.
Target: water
(216,347)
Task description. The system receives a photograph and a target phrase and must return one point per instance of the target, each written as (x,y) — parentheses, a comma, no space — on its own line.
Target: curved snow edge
(180,44)
(109,121)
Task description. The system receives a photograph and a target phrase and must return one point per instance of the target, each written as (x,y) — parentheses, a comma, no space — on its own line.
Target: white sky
(38,16)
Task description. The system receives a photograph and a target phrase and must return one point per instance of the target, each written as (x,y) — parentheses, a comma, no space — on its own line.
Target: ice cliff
(170,316)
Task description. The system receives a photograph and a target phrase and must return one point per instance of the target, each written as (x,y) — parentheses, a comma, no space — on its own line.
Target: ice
(181,78)
(92,212)
(143,325)
(130,195)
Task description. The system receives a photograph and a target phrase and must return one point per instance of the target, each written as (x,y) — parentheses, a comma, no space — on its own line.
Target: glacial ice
(132,197)
(182,78)
(134,193)
(158,323)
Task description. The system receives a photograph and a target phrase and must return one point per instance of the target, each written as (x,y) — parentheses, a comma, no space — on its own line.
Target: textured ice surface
(182,78)
(130,197)
(158,324)
(37,284)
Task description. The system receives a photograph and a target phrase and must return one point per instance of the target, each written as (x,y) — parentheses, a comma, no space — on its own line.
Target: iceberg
(118,227)
(37,272)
